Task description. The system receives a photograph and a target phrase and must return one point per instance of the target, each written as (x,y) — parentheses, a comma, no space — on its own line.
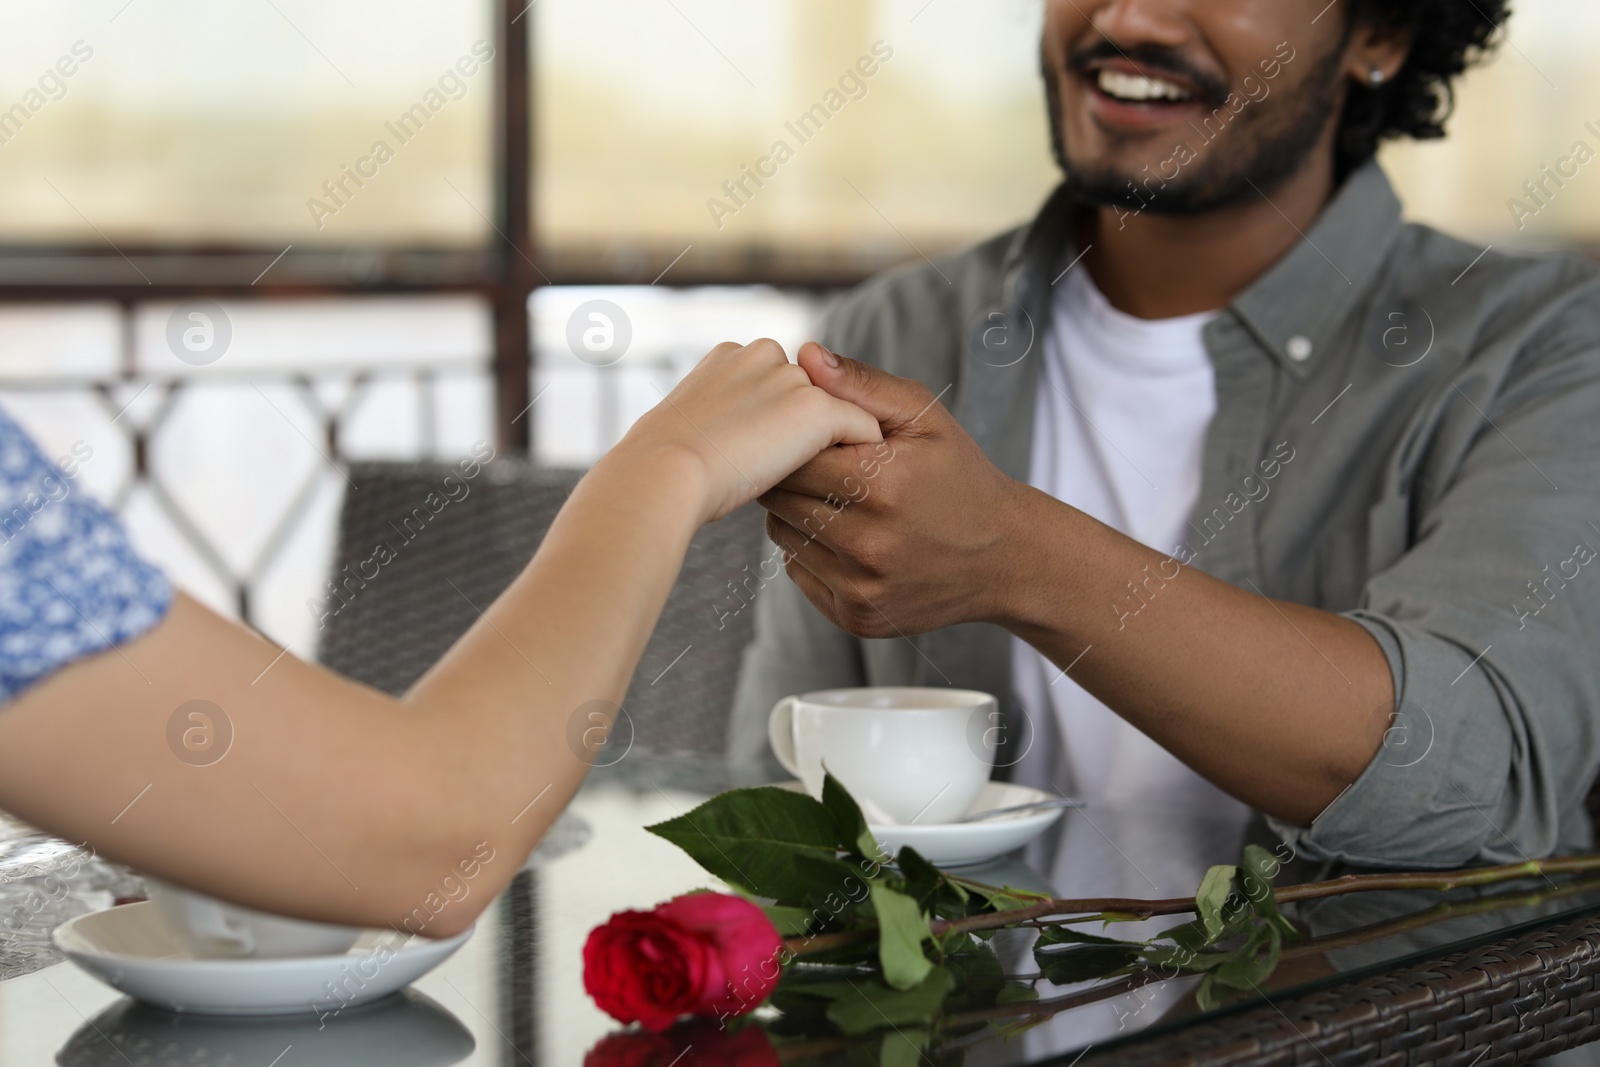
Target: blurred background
(393,218)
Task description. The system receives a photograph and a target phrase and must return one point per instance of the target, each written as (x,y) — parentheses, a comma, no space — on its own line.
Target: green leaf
(902,928)
(1247,966)
(1183,960)
(956,942)
(800,1010)
(1186,941)
(902,1048)
(979,977)
(1049,946)
(1242,970)
(924,881)
(1009,899)
(1255,877)
(1061,934)
(1210,996)
(1183,948)
(1088,962)
(1016,993)
(772,842)
(861,1006)
(1237,919)
(1212,895)
(789,922)
(999,898)
(1189,937)
(850,826)
(1109,917)
(1189,949)
(1261,862)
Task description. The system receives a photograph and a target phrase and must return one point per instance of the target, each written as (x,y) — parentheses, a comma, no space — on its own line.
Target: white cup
(210,928)
(907,755)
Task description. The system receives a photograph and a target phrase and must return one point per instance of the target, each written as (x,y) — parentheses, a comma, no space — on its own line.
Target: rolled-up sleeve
(1490,623)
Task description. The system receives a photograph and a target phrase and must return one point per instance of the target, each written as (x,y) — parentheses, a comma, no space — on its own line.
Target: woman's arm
(336,802)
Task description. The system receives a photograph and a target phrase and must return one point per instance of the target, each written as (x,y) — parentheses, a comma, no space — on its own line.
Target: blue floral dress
(70,583)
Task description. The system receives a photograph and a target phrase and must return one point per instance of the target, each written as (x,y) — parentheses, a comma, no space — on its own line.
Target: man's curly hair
(1447,36)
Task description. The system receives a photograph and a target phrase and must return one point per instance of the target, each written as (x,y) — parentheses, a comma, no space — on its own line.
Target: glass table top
(514,994)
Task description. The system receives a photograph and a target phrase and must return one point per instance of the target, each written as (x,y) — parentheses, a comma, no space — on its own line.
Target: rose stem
(1143,909)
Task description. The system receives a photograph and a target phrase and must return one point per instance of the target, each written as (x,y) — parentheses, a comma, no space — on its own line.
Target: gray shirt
(1407,433)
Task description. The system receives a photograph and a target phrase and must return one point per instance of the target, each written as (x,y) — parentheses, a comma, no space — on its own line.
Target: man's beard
(1263,147)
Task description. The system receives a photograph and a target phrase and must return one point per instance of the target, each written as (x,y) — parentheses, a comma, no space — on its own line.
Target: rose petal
(745,943)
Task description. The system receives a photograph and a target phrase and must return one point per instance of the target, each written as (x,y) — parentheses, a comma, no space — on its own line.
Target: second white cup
(213,929)
(908,755)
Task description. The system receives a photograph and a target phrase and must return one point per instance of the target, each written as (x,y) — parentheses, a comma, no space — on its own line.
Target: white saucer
(972,843)
(128,948)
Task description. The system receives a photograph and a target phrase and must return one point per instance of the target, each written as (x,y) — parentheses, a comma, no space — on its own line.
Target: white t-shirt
(1119,433)
(1119,429)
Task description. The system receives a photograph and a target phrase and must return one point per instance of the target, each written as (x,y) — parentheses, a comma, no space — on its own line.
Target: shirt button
(1298,348)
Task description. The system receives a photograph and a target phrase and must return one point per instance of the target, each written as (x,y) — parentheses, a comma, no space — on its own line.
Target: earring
(1376,76)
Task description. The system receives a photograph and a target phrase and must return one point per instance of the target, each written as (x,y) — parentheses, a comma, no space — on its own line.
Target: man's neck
(1158,267)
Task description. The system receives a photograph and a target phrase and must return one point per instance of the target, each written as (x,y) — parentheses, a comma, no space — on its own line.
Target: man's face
(1180,107)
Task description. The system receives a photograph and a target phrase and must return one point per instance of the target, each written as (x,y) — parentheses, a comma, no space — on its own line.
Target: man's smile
(1123,95)
(1128,93)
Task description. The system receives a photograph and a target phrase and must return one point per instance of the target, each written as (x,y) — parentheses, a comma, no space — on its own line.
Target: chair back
(418,558)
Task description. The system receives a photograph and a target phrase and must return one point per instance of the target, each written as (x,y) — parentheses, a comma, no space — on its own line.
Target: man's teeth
(1122,86)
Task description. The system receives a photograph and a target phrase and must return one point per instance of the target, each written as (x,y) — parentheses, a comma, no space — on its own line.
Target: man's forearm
(1279,704)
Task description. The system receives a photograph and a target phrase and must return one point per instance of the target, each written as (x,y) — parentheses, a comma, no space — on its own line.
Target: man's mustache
(1156,61)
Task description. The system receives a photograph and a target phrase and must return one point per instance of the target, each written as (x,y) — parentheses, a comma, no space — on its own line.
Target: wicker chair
(446,566)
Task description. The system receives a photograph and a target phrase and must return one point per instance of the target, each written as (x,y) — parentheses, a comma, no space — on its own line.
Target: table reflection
(979,1029)
(514,995)
(408,1029)
(1136,851)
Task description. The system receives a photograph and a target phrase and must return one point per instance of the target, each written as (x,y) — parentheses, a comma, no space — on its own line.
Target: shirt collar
(1026,268)
(1292,309)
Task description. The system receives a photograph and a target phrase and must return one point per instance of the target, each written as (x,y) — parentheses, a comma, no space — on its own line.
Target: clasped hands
(902,536)
(890,518)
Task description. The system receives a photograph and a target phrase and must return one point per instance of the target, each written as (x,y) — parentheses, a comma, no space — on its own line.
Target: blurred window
(1533,106)
(789,136)
(147,122)
(793,136)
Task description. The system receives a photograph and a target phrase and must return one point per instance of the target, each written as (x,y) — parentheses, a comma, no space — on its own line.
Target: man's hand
(930,534)
(901,537)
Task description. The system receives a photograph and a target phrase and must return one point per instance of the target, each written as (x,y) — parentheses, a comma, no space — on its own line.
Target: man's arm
(1279,704)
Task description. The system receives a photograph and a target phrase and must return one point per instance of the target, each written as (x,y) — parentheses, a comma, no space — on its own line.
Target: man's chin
(1092,195)
(1131,190)
(1196,190)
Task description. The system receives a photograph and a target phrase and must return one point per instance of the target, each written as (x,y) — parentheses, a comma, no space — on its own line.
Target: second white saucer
(968,844)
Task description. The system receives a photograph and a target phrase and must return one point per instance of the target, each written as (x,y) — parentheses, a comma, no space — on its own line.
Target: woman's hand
(750,417)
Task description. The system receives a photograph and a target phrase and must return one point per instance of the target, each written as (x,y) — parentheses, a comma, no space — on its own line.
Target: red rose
(705,954)
(700,1045)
